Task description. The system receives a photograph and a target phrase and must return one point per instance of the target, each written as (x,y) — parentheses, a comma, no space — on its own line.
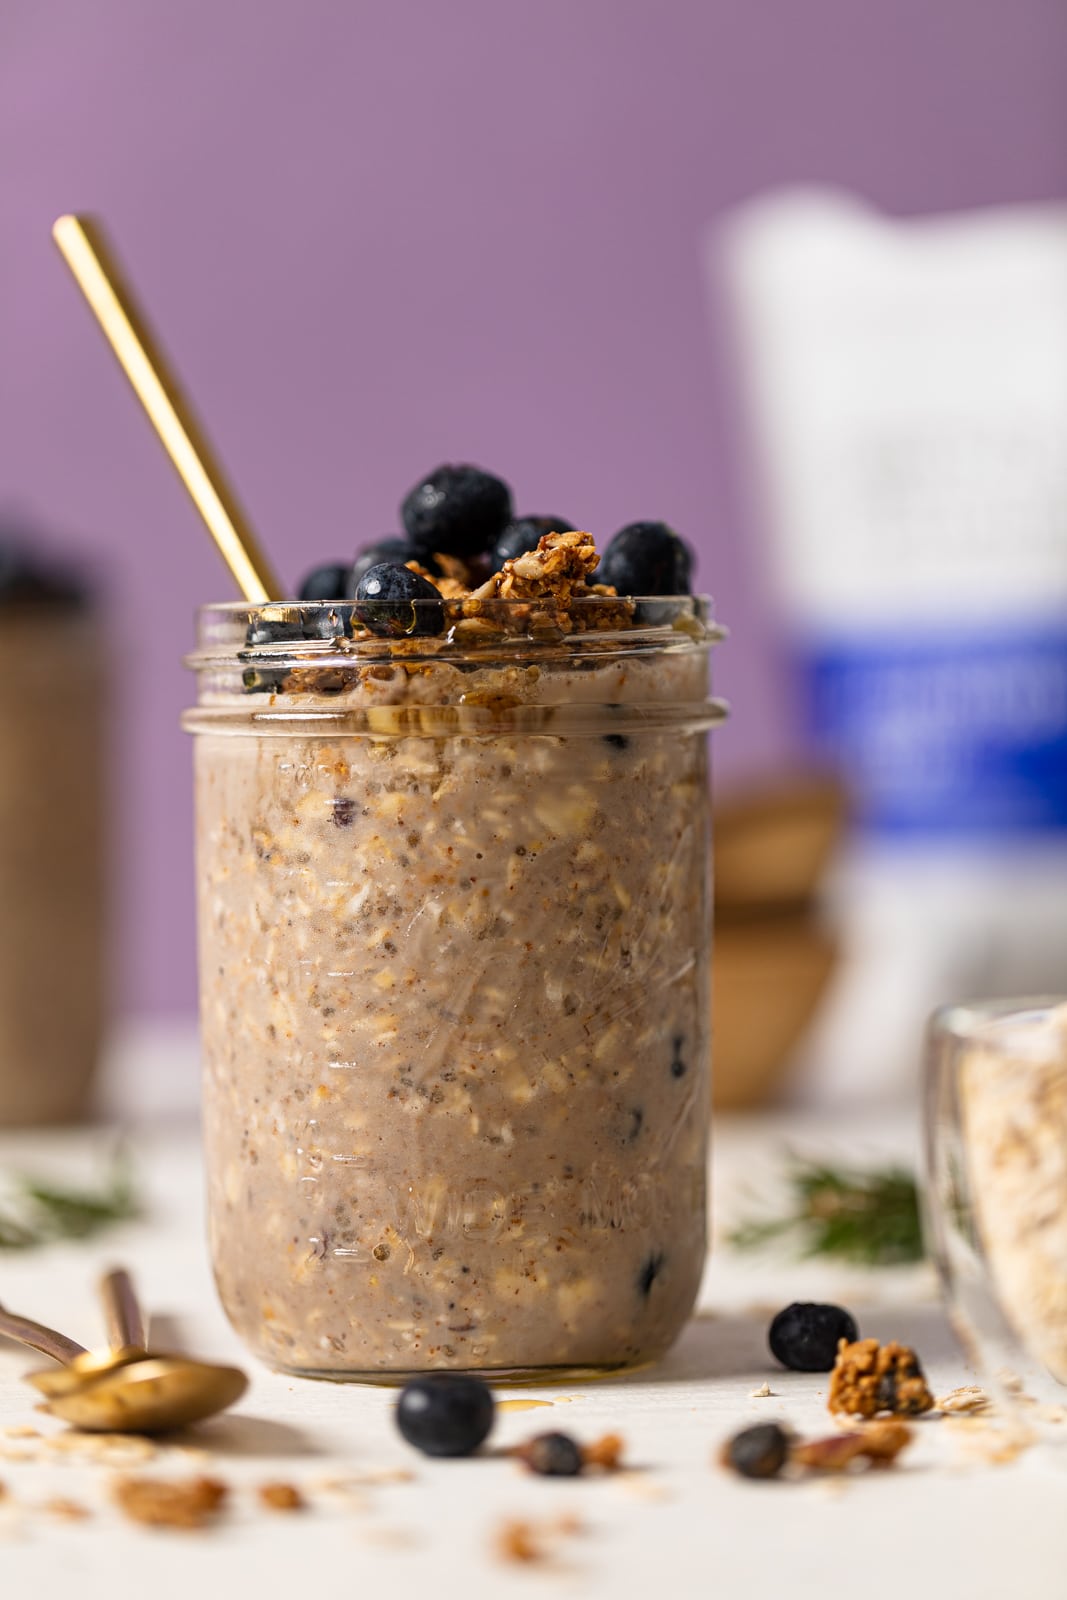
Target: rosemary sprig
(869,1218)
(39,1212)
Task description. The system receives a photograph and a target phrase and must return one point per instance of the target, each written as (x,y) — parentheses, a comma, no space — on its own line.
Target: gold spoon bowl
(126,1388)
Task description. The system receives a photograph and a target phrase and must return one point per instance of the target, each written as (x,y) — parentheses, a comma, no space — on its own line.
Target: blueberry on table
(525,534)
(646,558)
(385,602)
(759,1452)
(445,1413)
(394,549)
(552,1455)
(329,582)
(458,510)
(805,1336)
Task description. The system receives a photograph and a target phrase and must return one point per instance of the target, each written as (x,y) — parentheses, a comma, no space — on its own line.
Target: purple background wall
(382,235)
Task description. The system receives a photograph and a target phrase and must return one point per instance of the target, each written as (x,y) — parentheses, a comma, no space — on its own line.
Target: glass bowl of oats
(996,1191)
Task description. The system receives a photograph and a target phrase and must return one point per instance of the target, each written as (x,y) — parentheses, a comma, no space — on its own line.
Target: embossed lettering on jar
(454,924)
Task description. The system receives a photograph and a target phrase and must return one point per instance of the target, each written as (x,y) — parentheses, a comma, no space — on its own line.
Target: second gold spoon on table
(128,1388)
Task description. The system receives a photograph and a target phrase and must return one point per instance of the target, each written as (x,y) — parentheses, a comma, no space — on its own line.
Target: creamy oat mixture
(454,987)
(1013,1095)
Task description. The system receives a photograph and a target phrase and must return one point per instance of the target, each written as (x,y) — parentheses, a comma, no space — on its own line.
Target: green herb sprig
(867,1218)
(38,1212)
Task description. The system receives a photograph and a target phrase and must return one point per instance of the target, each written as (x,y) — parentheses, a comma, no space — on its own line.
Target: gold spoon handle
(38,1337)
(122,1312)
(87,254)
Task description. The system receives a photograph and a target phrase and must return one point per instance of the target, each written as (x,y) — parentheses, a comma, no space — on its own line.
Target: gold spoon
(85,249)
(128,1388)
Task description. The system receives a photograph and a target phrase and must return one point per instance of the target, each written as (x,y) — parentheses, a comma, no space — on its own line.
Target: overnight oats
(453,866)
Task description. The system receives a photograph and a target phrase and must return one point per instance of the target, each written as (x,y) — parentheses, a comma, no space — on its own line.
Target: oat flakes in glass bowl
(996,1194)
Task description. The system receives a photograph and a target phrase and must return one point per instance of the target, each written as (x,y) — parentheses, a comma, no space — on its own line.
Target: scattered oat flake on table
(968,1399)
(642,1487)
(67,1510)
(994,1447)
(764,1392)
(22,1431)
(367,1478)
(169,1503)
(525,1541)
(111,1449)
(519,1541)
(281,1497)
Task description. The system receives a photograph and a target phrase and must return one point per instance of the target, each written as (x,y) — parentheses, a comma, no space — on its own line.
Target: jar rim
(506,628)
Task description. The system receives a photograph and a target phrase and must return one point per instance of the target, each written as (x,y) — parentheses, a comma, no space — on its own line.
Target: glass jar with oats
(454,905)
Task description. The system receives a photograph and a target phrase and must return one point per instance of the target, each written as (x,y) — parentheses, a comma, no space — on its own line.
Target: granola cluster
(871,1378)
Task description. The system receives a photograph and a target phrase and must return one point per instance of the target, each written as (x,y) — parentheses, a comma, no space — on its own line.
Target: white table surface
(941,1524)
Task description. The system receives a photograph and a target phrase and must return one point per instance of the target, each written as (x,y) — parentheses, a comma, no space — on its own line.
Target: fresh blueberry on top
(646,558)
(385,597)
(804,1337)
(445,1413)
(525,534)
(328,582)
(458,510)
(394,549)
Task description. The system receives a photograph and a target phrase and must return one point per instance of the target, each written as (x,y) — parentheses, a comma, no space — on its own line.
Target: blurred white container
(907,392)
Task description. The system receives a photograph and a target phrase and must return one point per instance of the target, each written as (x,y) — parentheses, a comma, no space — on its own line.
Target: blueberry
(646,558)
(650,1271)
(458,510)
(759,1452)
(445,1413)
(256,682)
(328,621)
(553,1455)
(394,549)
(805,1336)
(385,597)
(525,534)
(326,583)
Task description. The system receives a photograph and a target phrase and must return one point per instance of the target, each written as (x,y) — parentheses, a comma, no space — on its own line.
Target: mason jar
(454,909)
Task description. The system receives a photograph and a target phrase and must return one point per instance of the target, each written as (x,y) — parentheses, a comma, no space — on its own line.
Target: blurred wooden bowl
(772,842)
(768,976)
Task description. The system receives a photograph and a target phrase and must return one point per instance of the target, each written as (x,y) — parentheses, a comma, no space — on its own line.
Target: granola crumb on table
(870,1378)
(168,1503)
(281,1497)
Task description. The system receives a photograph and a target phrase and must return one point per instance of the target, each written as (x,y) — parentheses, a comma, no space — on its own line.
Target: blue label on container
(945,733)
